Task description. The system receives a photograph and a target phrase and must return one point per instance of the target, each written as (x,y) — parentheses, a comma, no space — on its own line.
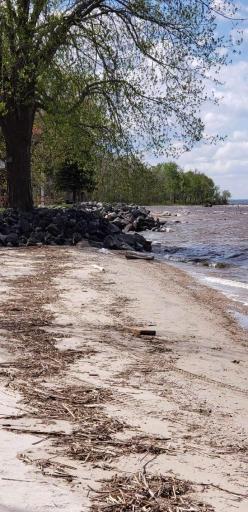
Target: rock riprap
(126,217)
(66,226)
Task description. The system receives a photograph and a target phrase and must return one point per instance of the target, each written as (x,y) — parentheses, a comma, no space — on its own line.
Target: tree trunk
(17,130)
(74,196)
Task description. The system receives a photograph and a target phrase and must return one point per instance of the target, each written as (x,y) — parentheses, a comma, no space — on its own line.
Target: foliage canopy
(131,181)
(145,61)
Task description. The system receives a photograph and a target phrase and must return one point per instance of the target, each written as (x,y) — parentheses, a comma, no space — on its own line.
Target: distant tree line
(127,179)
(173,185)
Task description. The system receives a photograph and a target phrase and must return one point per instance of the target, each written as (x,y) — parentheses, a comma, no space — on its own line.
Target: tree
(169,177)
(123,178)
(79,137)
(146,61)
(70,177)
(225,197)
(173,185)
(127,179)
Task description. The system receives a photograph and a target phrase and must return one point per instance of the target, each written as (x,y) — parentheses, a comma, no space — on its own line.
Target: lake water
(211,243)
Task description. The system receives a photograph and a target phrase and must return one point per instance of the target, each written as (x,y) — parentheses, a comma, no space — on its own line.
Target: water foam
(227,282)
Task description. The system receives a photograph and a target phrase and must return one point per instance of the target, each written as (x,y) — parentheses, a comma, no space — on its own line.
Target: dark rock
(58,220)
(71,223)
(98,245)
(32,241)
(93,226)
(59,240)
(37,235)
(3,239)
(138,247)
(23,240)
(124,215)
(12,240)
(113,229)
(120,223)
(128,227)
(115,242)
(135,213)
(48,238)
(81,227)
(53,229)
(69,232)
(25,227)
(126,241)
(77,237)
(71,226)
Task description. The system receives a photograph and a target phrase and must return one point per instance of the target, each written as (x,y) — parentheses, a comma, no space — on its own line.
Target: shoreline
(187,384)
(195,247)
(233,306)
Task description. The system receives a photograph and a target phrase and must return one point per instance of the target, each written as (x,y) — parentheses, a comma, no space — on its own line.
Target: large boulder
(12,240)
(123,241)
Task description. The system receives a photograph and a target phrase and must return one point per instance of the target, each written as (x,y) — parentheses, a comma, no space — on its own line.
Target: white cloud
(232,150)
(227,161)
(240,135)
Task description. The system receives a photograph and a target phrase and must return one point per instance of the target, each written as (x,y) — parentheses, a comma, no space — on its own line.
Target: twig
(17,480)
(147,463)
(69,410)
(40,440)
(11,416)
(35,432)
(224,490)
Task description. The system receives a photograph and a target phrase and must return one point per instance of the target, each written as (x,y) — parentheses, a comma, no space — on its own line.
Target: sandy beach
(83,397)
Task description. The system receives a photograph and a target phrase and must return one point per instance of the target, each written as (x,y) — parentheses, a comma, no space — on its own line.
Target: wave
(226,282)
(203,253)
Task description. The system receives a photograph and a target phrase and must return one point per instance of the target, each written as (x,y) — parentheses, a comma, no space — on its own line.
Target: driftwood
(142,331)
(139,256)
(147,493)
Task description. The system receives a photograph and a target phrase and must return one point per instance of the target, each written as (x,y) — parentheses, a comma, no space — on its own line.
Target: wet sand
(187,385)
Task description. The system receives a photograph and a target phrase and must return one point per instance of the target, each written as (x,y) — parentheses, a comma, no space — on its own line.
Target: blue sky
(227,161)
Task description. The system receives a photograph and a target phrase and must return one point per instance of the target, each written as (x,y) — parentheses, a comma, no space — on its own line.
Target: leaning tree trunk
(17,130)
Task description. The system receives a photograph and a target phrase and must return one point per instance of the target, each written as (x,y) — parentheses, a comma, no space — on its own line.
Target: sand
(187,385)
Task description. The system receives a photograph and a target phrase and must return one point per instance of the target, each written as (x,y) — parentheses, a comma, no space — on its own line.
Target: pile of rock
(69,226)
(126,217)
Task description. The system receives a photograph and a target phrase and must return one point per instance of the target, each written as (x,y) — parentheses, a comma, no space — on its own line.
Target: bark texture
(17,129)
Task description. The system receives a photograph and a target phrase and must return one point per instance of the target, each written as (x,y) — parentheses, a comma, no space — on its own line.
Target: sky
(227,161)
